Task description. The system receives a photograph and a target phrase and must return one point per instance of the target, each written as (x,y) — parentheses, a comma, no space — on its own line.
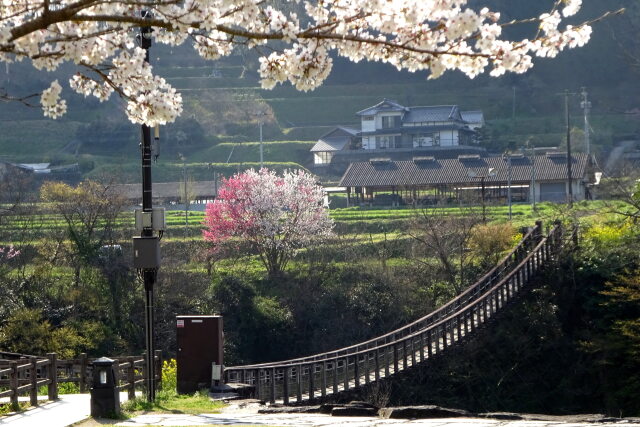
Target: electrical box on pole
(154,220)
(146,252)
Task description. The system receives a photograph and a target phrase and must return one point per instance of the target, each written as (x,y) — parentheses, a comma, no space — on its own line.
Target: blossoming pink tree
(275,215)
(99,37)
(6,253)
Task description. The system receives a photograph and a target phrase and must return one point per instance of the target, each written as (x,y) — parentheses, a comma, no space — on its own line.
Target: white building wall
(577,186)
(368,125)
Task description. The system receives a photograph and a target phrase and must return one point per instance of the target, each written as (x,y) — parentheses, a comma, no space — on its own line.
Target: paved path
(73,408)
(314,420)
(69,409)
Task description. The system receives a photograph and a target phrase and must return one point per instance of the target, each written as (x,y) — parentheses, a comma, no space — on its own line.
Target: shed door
(553,192)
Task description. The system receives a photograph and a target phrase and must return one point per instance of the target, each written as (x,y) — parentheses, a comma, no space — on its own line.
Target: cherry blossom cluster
(275,214)
(100,37)
(8,252)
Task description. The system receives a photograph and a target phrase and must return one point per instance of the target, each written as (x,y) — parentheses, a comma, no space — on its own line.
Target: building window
(367,118)
(322,157)
(423,140)
(386,141)
(387,122)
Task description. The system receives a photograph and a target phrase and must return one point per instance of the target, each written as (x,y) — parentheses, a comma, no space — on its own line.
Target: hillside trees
(90,212)
(444,239)
(275,215)
(98,38)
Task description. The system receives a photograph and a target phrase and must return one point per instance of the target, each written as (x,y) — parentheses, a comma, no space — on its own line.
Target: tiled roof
(384,105)
(472,116)
(340,131)
(461,171)
(335,143)
(441,113)
(335,140)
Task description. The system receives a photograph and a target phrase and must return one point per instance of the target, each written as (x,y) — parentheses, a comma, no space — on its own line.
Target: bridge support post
(272,397)
(376,363)
(404,354)
(366,368)
(299,383)
(395,358)
(256,374)
(83,373)
(386,362)
(285,385)
(33,377)
(52,389)
(14,383)
(312,374)
(131,378)
(356,371)
(324,378)
(412,348)
(475,316)
(335,376)
(444,335)
(346,373)
(538,233)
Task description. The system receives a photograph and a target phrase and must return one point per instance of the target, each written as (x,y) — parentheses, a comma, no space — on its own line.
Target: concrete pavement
(73,408)
(317,420)
(69,409)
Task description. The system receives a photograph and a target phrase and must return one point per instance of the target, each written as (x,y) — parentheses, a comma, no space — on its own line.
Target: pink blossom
(276,215)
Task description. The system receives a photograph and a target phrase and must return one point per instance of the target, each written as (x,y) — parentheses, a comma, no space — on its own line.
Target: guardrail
(21,374)
(350,367)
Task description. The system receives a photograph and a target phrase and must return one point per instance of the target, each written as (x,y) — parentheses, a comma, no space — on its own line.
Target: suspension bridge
(347,369)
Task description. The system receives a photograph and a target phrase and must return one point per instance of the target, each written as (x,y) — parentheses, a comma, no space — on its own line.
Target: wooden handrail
(47,371)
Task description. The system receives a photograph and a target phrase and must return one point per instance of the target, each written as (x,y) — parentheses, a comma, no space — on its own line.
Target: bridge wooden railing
(22,374)
(350,367)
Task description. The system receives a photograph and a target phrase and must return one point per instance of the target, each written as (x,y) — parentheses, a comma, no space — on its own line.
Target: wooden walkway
(338,371)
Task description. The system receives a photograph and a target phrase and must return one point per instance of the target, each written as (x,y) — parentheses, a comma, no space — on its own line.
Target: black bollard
(105,396)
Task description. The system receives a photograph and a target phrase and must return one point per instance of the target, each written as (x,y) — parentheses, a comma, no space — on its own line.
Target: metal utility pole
(568,124)
(586,106)
(260,115)
(513,104)
(532,188)
(472,174)
(484,205)
(185,192)
(509,183)
(146,248)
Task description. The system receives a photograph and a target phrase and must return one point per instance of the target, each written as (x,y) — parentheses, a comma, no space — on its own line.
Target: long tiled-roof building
(431,180)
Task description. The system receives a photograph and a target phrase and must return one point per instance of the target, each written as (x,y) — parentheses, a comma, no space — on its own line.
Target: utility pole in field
(260,115)
(150,222)
(568,125)
(586,106)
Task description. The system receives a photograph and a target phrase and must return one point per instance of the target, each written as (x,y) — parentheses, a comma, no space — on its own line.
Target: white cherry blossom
(416,35)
